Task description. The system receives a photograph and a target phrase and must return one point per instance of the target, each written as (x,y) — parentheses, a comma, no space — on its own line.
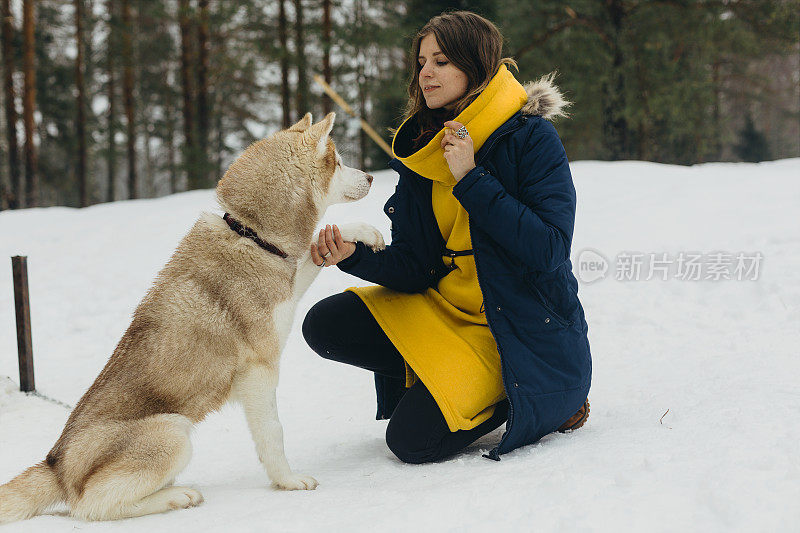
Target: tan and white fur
(209,331)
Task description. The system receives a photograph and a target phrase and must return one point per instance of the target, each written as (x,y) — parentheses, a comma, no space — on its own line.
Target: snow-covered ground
(721,356)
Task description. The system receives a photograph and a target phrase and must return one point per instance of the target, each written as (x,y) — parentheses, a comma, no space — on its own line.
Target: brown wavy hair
(474,45)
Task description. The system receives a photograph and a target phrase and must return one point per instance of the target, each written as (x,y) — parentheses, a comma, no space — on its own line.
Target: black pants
(341,328)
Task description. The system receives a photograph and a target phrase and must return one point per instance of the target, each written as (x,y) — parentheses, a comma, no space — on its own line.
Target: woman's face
(442,83)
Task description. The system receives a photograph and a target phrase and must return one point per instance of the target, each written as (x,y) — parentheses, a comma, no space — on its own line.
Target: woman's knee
(333,319)
(310,326)
(417,427)
(404,447)
(316,327)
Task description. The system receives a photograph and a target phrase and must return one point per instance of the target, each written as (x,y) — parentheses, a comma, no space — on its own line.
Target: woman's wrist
(352,258)
(348,249)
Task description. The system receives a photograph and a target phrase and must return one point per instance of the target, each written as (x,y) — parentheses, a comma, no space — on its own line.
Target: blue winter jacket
(521,204)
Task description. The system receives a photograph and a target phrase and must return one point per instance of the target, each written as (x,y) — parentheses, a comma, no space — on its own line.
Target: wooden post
(19,266)
(349,110)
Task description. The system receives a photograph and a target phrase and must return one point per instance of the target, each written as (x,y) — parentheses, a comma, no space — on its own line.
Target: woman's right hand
(330,241)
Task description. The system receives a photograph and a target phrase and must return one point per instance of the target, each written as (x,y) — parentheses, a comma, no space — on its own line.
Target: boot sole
(578,423)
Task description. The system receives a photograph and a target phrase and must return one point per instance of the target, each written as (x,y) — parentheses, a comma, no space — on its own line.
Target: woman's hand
(331,242)
(459,153)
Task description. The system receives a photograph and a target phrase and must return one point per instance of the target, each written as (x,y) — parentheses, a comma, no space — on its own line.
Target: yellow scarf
(498,102)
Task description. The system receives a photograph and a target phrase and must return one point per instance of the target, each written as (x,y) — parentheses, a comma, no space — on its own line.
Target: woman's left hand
(459,153)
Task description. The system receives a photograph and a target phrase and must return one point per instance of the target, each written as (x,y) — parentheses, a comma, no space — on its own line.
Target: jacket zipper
(494,453)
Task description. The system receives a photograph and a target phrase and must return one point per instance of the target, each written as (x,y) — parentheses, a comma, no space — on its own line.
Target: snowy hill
(721,356)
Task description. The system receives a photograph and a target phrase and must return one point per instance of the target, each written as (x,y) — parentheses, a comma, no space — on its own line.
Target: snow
(720,358)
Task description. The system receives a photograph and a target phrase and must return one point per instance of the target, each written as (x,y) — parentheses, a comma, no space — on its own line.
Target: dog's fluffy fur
(209,331)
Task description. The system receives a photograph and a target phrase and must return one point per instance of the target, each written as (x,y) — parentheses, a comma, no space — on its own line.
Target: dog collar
(244,231)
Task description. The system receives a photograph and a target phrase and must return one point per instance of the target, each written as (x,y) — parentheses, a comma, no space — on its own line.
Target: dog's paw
(359,231)
(295,482)
(184,497)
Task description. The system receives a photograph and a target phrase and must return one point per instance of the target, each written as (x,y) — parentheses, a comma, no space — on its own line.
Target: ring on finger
(323,263)
(327,255)
(462,132)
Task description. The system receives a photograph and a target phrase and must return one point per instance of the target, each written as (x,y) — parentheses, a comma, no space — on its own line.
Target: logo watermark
(684,266)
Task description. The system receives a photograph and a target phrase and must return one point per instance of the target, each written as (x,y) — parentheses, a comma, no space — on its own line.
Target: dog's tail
(29,493)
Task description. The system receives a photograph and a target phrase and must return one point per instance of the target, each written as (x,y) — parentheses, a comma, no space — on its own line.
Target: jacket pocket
(546,303)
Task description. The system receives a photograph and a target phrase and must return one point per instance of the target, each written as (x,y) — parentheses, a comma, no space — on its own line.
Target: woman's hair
(474,45)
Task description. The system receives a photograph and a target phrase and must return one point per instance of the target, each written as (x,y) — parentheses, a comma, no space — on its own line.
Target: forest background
(113,99)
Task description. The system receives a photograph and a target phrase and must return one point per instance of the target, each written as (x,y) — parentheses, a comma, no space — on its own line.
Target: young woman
(475,320)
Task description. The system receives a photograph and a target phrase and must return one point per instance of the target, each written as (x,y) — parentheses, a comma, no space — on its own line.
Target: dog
(210,330)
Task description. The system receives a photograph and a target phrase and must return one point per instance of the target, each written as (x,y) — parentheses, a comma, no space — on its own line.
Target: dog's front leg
(256,392)
(307,272)
(360,231)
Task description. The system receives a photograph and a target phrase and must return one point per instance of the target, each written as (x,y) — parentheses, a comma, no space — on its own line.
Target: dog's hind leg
(255,389)
(131,475)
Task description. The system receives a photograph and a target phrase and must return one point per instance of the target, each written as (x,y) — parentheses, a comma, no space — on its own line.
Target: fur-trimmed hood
(545,99)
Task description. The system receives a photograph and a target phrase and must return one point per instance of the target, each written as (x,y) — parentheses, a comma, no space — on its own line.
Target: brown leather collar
(244,231)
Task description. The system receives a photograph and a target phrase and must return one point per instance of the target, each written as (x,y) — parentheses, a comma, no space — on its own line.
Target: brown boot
(576,420)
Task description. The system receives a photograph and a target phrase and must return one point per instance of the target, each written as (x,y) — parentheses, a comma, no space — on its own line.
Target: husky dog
(210,330)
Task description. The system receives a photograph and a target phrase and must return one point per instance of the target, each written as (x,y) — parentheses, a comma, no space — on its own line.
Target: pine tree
(300,59)
(80,120)
(113,28)
(29,104)
(327,103)
(128,97)
(203,102)
(650,79)
(16,186)
(157,66)
(286,103)
(185,17)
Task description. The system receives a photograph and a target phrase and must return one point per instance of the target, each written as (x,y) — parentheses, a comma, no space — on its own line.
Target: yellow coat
(442,333)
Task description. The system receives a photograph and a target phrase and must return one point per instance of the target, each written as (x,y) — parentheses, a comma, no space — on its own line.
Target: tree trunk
(29,103)
(616,135)
(127,96)
(301,105)
(286,105)
(111,52)
(80,122)
(169,115)
(149,166)
(188,97)
(217,40)
(362,96)
(220,145)
(362,112)
(16,185)
(143,117)
(327,104)
(89,65)
(715,116)
(203,111)
(642,141)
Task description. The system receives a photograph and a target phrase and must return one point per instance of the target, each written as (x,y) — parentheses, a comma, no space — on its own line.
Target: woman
(475,319)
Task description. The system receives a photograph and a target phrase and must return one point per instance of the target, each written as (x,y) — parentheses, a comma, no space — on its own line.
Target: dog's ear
(303,124)
(319,132)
